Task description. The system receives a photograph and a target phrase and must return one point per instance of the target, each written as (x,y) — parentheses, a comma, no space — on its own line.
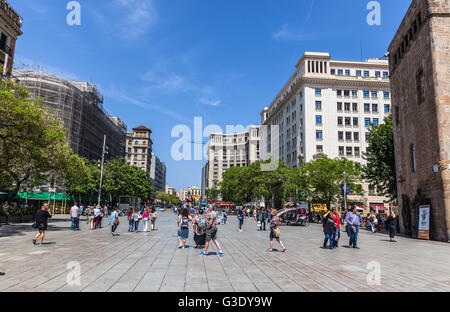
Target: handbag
(258,224)
(276,232)
(116,222)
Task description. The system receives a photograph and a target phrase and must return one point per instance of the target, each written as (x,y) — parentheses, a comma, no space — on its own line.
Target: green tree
(380,156)
(33,144)
(322,179)
(213,193)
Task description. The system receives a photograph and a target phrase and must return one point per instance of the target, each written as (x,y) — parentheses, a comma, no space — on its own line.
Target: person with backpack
(183,227)
(211,231)
(199,230)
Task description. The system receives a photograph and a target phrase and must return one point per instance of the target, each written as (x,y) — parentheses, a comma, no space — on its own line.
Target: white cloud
(291,35)
(210,102)
(139,18)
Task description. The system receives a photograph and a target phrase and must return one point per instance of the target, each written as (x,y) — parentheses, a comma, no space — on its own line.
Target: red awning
(378,206)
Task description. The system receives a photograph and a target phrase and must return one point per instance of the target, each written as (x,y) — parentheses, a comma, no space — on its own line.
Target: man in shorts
(211,231)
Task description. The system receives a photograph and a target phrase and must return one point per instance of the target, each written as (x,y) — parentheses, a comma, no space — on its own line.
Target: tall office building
(80,106)
(420,80)
(229,150)
(158,173)
(139,148)
(10,24)
(326,108)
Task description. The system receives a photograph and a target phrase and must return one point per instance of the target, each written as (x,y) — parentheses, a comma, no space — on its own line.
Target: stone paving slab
(151,262)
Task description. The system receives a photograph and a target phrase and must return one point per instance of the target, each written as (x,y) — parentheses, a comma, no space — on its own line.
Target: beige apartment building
(326,108)
(420,79)
(229,150)
(10,24)
(189,193)
(139,148)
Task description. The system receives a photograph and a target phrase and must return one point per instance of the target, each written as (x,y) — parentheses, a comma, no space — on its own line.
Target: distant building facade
(10,24)
(139,148)
(229,150)
(170,190)
(420,80)
(186,194)
(158,173)
(80,106)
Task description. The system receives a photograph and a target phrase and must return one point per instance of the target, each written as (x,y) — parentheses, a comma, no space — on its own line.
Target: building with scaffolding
(80,106)
(10,24)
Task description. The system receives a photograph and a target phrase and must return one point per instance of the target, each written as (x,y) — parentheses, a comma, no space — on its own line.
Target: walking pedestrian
(41,221)
(391,224)
(211,231)
(154,216)
(240,218)
(81,209)
(136,217)
(224,216)
(74,214)
(145,219)
(97,213)
(199,227)
(328,229)
(183,227)
(130,220)
(275,231)
(263,219)
(353,219)
(114,220)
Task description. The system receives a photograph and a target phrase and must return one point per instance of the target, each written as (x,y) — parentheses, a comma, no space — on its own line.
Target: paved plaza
(151,262)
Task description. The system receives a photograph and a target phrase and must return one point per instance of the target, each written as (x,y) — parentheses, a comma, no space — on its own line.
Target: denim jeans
(328,237)
(131,225)
(336,238)
(136,226)
(74,223)
(354,237)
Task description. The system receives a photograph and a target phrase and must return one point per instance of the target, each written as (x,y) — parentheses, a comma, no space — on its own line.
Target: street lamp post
(345,191)
(101,170)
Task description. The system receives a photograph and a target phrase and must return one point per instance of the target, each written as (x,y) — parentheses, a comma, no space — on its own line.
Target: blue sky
(161,63)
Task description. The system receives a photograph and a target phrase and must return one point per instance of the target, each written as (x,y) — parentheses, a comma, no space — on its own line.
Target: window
(375,121)
(348,136)
(377,74)
(374,94)
(366,94)
(318,105)
(348,121)
(355,121)
(319,135)
(385,75)
(357,152)
(333,72)
(367,136)
(349,151)
(347,107)
(318,120)
(347,72)
(387,108)
(340,72)
(420,87)
(339,92)
(366,73)
(413,158)
(318,91)
(339,106)
(341,151)
(367,122)
(386,95)
(355,107)
(355,93)
(356,136)
(366,108)
(374,108)
(358,73)
(339,121)
(319,149)
(340,135)
(346,92)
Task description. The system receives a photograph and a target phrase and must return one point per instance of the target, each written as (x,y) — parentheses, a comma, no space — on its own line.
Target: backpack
(184,222)
(201,223)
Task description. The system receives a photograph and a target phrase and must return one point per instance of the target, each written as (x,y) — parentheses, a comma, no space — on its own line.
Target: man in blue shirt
(263,219)
(353,219)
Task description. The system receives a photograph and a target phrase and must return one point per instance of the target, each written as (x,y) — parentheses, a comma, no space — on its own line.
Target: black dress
(41,219)
(392,225)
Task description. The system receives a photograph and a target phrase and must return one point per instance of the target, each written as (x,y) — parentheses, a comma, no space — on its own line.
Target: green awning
(45,196)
